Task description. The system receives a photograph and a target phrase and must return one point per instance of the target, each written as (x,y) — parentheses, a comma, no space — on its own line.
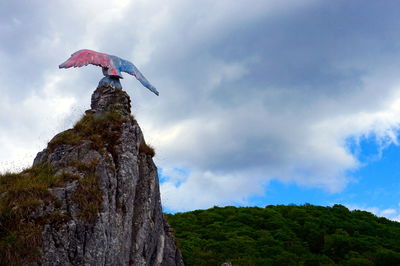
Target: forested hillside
(286,235)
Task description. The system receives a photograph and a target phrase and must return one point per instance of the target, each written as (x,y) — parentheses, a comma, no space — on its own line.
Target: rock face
(108,212)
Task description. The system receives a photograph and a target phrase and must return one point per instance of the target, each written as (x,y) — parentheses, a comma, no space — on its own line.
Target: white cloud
(202,190)
(42,112)
(389,213)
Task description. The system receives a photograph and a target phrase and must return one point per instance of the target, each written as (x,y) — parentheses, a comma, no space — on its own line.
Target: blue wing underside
(128,67)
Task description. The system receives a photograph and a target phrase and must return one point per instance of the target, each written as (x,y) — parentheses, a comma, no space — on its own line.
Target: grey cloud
(311,66)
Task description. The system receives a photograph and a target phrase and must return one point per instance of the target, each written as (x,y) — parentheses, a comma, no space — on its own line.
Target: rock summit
(99,200)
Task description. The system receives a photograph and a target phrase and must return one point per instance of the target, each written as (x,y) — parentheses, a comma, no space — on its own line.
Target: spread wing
(85,57)
(130,68)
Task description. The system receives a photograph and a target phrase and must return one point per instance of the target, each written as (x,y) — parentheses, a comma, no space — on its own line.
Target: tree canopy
(286,235)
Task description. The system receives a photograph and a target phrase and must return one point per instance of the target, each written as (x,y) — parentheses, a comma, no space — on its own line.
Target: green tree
(286,235)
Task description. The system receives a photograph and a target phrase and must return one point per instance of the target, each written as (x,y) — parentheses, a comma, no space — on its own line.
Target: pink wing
(85,57)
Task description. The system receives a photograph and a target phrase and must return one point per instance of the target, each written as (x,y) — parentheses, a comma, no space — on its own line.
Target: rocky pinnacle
(108,209)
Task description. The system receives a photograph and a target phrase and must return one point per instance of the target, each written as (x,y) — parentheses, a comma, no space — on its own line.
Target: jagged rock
(108,210)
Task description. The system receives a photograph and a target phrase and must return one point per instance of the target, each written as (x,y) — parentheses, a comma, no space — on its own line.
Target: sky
(261,102)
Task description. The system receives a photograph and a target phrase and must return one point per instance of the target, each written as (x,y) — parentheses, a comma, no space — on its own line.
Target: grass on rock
(103,132)
(20,195)
(88,195)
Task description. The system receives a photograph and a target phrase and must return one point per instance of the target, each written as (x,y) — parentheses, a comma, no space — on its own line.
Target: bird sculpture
(112,66)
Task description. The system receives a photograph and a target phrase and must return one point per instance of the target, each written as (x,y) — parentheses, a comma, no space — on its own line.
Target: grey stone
(130,228)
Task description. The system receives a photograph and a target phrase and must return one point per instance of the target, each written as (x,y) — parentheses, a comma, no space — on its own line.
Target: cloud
(248,92)
(389,213)
(35,113)
(206,189)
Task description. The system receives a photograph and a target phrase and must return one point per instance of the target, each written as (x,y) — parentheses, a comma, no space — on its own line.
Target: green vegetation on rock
(20,195)
(103,132)
(286,235)
(24,198)
(88,195)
